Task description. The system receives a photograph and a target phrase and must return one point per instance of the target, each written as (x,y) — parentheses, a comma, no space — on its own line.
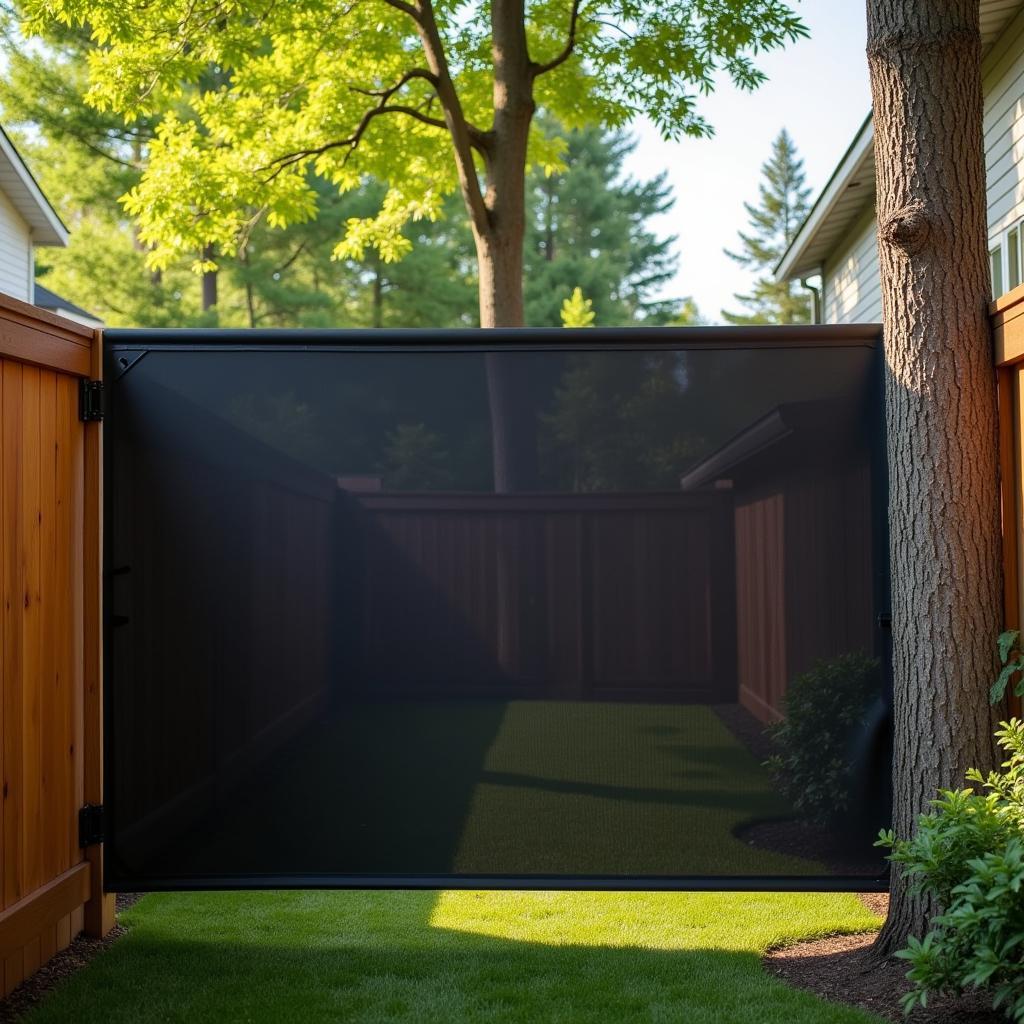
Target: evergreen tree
(774,222)
(587,227)
(577,311)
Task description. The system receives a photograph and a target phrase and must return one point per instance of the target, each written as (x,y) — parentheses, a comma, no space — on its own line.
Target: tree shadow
(390,957)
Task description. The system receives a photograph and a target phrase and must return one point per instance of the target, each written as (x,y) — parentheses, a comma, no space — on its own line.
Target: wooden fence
(50,651)
(1008,330)
(607,597)
(221,565)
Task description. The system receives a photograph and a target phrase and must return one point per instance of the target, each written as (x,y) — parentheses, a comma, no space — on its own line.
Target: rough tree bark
(925,62)
(497,214)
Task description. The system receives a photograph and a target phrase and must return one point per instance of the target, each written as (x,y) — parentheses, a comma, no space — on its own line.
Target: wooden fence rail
(50,656)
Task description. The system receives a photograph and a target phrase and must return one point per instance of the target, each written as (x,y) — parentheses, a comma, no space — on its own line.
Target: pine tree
(587,227)
(783,206)
(577,311)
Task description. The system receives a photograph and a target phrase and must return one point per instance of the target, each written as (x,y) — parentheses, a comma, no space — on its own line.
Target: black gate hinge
(90,401)
(91,825)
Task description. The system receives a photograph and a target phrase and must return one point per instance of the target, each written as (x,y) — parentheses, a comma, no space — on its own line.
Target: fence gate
(492,608)
(50,718)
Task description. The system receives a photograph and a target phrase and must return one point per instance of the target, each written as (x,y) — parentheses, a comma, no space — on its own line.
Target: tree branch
(410,9)
(465,136)
(352,141)
(427,76)
(567,50)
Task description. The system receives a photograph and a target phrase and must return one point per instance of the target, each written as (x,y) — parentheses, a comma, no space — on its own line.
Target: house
(27,220)
(838,242)
(54,303)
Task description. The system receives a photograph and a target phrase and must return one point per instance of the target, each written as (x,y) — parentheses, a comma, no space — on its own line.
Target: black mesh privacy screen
(563,608)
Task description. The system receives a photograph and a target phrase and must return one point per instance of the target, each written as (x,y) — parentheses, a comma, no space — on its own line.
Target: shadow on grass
(403,957)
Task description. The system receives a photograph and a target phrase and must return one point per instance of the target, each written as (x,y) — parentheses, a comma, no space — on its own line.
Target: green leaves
(811,760)
(968,855)
(1012,660)
(577,311)
(255,96)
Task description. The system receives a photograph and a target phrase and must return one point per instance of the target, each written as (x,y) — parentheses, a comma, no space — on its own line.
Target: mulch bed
(800,839)
(791,835)
(840,968)
(59,967)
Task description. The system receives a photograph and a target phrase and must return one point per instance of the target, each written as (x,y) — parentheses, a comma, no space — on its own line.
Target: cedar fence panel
(50,731)
(1007,315)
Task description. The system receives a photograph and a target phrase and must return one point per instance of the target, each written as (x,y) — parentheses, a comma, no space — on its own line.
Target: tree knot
(907,229)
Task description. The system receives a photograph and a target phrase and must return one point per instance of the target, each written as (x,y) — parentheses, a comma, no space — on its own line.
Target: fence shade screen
(428,615)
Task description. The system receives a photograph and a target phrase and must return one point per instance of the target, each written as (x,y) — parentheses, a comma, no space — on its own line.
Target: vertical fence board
(14,599)
(31,513)
(63,627)
(51,716)
(43,505)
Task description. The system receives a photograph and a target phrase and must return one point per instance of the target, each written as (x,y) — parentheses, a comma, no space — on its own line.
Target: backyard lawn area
(495,787)
(473,957)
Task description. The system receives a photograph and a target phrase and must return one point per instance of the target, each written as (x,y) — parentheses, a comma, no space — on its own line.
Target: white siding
(15,252)
(1004,131)
(851,289)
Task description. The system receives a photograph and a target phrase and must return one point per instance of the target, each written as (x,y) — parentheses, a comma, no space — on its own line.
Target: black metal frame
(123,347)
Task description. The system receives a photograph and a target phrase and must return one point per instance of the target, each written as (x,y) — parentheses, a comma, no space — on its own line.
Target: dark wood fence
(221,563)
(580,596)
(805,577)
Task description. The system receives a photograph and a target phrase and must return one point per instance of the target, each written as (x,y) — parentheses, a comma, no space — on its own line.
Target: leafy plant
(812,759)
(968,856)
(577,311)
(1012,659)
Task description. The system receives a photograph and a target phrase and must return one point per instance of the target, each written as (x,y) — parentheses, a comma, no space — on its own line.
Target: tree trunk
(499,249)
(209,283)
(378,297)
(925,57)
(500,267)
(513,420)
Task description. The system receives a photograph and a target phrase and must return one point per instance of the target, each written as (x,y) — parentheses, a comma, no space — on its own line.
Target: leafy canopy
(256,94)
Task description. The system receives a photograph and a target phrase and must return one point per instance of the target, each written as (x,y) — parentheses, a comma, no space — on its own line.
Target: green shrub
(823,708)
(968,855)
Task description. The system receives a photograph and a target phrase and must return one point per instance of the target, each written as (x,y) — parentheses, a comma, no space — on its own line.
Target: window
(1006,259)
(1013,257)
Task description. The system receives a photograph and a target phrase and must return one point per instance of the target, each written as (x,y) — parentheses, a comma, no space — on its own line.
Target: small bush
(824,708)
(968,854)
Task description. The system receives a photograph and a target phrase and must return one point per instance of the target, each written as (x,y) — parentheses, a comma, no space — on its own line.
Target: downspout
(816,311)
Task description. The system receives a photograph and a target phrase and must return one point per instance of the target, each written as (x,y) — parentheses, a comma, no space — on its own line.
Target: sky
(817,89)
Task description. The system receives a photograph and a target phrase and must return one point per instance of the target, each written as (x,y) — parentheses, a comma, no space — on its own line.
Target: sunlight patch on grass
(651,920)
(466,957)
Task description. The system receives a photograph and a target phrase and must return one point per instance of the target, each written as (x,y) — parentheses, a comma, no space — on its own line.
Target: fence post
(99,909)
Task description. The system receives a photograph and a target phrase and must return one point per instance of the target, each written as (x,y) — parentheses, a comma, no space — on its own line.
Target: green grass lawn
(487,787)
(455,958)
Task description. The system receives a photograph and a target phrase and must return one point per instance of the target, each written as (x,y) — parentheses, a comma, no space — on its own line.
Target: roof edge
(859,149)
(58,232)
